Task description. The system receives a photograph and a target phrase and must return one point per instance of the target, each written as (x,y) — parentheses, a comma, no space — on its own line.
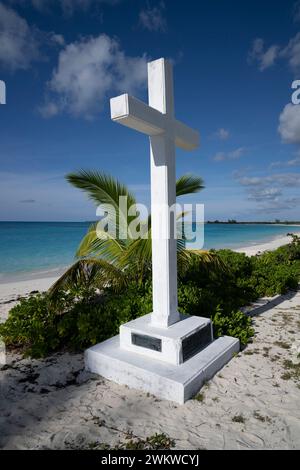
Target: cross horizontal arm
(135,114)
(185,137)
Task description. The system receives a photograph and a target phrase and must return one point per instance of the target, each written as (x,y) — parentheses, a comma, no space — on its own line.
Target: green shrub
(32,325)
(80,318)
(36,326)
(89,323)
(194,300)
(274,273)
(235,324)
(293,249)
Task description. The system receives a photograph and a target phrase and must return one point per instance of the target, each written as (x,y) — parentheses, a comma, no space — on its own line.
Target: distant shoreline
(32,276)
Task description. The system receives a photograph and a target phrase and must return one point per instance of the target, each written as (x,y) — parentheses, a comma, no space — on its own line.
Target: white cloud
(290,163)
(273,193)
(46,196)
(222,134)
(250,181)
(153,19)
(281,179)
(279,207)
(57,39)
(18,44)
(233,155)
(266,194)
(294,162)
(289,124)
(41,196)
(292,52)
(87,70)
(265,57)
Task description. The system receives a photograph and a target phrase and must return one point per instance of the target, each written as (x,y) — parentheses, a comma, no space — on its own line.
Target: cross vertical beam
(163,196)
(157,120)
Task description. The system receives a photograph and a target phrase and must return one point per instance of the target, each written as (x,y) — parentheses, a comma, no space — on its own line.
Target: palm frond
(106,191)
(101,188)
(189,184)
(108,259)
(139,251)
(88,273)
(99,244)
(209,260)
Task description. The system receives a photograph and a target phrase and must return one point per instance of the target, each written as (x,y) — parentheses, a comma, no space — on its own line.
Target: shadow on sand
(267,303)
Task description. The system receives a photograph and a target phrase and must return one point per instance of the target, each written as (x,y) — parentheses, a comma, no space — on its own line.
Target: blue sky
(234,63)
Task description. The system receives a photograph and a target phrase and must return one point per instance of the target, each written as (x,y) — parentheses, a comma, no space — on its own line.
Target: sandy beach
(271,245)
(11,292)
(252,403)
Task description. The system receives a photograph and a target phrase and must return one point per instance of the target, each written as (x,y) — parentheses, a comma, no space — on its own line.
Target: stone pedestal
(171,363)
(173,345)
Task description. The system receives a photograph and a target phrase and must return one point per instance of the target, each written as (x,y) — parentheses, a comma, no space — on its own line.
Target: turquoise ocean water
(44,248)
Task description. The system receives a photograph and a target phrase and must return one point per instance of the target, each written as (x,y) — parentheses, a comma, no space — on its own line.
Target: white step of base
(171,382)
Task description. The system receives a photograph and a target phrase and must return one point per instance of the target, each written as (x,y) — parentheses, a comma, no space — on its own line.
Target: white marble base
(170,338)
(167,381)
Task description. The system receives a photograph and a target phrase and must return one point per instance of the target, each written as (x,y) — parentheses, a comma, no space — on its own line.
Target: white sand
(253,250)
(10,292)
(54,404)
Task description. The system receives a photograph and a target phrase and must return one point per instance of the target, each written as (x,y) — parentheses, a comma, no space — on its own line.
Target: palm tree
(114,261)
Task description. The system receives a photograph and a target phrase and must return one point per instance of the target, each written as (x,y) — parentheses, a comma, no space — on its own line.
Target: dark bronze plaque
(145,341)
(194,343)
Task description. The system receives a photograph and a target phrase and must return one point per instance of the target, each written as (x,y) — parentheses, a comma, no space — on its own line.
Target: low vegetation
(41,324)
(263,419)
(292,370)
(239,419)
(110,284)
(199,397)
(155,442)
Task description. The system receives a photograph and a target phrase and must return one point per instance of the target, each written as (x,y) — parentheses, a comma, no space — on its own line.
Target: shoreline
(11,292)
(22,285)
(250,247)
(271,245)
(8,278)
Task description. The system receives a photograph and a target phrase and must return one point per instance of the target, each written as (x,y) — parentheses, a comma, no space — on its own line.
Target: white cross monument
(164,352)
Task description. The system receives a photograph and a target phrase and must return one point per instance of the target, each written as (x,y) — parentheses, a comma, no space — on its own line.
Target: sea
(42,249)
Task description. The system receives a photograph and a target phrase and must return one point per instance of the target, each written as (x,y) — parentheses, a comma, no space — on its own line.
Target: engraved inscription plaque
(145,341)
(194,343)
